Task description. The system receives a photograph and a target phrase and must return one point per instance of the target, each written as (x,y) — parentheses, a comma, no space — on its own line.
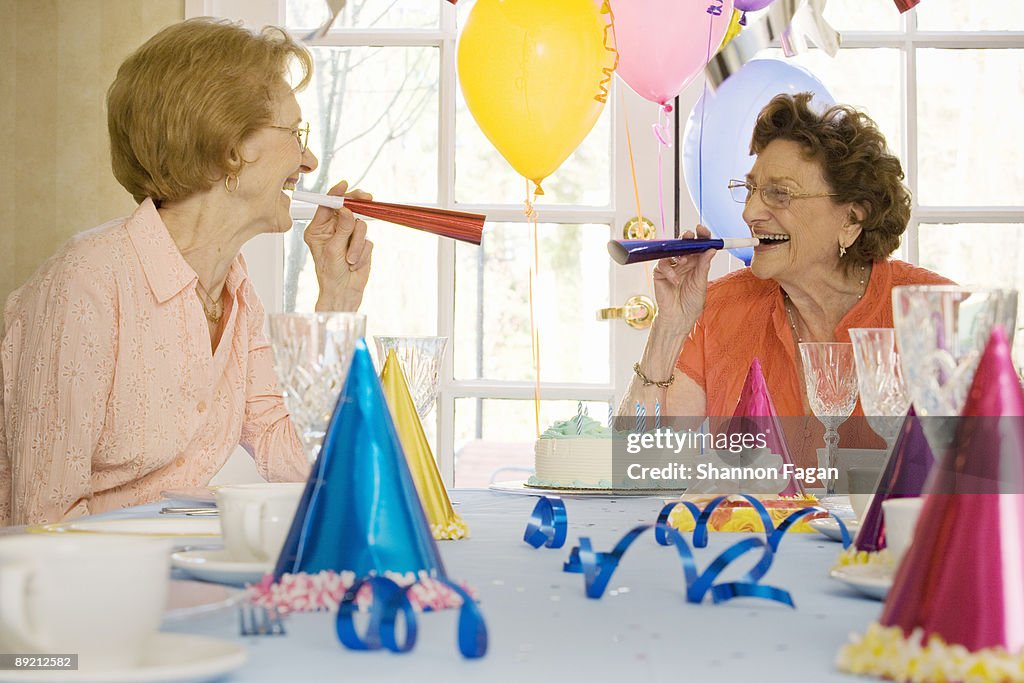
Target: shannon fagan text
(668,440)
(704,470)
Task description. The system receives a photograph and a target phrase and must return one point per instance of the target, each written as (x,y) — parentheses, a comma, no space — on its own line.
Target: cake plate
(520,487)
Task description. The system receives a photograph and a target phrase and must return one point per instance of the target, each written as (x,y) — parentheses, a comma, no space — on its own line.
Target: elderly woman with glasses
(826,198)
(135,360)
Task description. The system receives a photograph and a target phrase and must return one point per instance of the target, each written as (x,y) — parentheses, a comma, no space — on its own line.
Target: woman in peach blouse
(135,359)
(827,199)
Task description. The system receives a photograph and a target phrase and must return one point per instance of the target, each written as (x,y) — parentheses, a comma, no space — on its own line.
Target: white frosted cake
(574,457)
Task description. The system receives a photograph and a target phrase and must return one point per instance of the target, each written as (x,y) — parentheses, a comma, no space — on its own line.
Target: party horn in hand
(459,225)
(634,251)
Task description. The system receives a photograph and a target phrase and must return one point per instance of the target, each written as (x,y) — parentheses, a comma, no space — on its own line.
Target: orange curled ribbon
(609,72)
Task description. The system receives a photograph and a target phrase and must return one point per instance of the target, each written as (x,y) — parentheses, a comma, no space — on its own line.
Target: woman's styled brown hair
(182,103)
(855,161)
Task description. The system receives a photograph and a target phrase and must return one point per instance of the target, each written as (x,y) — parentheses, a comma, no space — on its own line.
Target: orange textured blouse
(745,318)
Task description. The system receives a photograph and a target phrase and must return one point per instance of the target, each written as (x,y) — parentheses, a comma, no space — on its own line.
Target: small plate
(217,566)
(829,527)
(522,488)
(206,495)
(162,527)
(872,580)
(167,658)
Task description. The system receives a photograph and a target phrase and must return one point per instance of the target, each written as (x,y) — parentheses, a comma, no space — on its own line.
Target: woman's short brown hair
(855,161)
(182,103)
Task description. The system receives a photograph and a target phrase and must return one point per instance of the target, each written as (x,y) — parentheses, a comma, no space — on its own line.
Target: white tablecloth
(542,627)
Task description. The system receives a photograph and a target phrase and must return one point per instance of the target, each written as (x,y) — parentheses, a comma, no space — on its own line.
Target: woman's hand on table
(341,253)
(681,286)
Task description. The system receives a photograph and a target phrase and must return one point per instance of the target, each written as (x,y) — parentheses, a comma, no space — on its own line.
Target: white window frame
(909,40)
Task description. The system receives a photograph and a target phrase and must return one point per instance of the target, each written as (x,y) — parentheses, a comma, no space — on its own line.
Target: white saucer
(164,527)
(206,495)
(872,580)
(218,567)
(186,599)
(168,658)
(522,488)
(829,527)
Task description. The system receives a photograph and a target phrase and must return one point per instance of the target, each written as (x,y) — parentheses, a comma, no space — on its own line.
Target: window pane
(957,15)
(364,14)
(493,433)
(968,111)
(492,304)
(401,297)
(863,15)
(482,176)
(868,79)
(985,255)
(373,112)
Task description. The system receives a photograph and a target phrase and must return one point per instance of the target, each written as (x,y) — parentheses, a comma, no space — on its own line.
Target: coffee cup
(255,518)
(100,597)
(862,487)
(900,520)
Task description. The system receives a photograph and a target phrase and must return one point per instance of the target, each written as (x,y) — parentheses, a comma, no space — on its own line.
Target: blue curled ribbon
(548,525)
(773,535)
(598,567)
(388,599)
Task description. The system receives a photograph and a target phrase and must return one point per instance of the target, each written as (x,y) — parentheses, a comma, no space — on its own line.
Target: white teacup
(255,518)
(900,520)
(862,485)
(101,597)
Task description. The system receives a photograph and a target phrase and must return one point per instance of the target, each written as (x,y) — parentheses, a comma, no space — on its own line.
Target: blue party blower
(360,511)
(635,251)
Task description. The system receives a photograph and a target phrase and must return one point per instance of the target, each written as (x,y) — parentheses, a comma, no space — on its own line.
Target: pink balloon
(664,44)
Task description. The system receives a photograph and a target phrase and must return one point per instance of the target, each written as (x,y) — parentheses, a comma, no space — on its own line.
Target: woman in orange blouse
(135,359)
(828,199)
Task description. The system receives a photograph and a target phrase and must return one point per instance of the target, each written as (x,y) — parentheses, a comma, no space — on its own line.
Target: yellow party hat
(445,523)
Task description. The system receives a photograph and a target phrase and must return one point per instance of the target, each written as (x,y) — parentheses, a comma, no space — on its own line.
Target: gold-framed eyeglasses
(775,196)
(301,133)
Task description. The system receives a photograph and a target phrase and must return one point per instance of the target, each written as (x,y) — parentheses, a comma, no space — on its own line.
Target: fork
(254,620)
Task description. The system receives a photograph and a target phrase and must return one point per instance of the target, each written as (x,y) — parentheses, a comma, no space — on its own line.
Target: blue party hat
(360,511)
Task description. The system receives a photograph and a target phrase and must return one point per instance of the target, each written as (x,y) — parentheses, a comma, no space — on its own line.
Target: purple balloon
(751,5)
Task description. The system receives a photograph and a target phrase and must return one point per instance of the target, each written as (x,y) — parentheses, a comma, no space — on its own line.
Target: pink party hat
(904,476)
(957,602)
(755,414)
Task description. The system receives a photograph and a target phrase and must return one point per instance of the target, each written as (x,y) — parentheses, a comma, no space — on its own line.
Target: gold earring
(842,251)
(227,182)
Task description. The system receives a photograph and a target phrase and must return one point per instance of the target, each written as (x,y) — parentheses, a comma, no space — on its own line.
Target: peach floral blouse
(111,393)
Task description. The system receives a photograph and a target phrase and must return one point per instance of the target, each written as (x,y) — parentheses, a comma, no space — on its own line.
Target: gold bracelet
(647,382)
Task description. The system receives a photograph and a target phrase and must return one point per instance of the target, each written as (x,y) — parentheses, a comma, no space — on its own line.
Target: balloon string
(664,136)
(632,163)
(531,216)
(700,137)
(609,72)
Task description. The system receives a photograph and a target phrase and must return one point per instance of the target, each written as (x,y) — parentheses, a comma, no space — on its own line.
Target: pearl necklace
(788,303)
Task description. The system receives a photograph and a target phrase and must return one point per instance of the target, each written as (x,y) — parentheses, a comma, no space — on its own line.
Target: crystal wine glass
(312,354)
(831,378)
(941,332)
(420,359)
(883,392)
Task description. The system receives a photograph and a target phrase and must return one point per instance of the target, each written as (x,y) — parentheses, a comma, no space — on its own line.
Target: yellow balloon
(531,73)
(734,28)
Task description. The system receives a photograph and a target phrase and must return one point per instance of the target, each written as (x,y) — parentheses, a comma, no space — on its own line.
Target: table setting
(268,582)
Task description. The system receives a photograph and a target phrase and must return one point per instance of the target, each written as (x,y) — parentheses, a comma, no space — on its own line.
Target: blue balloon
(716,142)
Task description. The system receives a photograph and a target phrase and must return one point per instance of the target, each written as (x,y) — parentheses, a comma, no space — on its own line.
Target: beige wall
(57,58)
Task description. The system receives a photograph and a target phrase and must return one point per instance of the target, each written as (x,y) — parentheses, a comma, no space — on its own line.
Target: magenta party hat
(956,608)
(755,414)
(360,511)
(904,476)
